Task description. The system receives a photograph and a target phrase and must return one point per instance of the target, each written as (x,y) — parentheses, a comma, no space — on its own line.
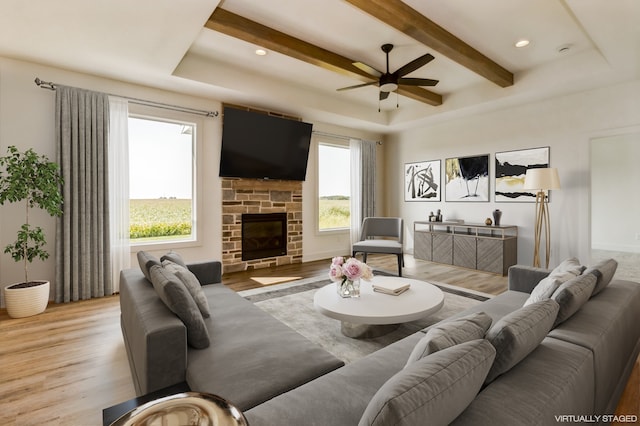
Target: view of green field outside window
(334,187)
(160,181)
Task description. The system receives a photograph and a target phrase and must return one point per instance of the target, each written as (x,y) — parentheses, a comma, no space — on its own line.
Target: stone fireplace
(257,200)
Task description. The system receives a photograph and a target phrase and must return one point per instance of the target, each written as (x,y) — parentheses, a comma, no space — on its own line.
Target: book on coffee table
(393,288)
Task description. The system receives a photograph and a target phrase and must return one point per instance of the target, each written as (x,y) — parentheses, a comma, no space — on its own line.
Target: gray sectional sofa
(251,358)
(578,368)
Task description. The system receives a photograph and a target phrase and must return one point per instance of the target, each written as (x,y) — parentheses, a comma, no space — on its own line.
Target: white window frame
(157,114)
(325,140)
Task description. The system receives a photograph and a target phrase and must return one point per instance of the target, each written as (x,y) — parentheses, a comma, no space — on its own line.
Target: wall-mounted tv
(261,146)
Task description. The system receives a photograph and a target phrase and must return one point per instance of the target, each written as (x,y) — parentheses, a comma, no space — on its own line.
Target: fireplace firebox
(264,235)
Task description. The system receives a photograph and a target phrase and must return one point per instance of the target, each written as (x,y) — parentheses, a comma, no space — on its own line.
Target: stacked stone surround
(259,196)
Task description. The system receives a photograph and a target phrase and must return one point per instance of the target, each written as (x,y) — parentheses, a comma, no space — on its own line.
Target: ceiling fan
(389,82)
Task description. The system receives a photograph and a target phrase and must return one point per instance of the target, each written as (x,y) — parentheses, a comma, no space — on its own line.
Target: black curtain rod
(52,86)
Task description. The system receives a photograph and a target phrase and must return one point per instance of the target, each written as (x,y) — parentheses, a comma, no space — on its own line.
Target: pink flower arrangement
(342,269)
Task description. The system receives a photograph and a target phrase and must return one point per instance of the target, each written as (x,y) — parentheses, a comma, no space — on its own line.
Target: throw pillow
(519,333)
(604,271)
(175,295)
(191,282)
(543,290)
(434,389)
(173,257)
(572,295)
(146,261)
(566,270)
(450,333)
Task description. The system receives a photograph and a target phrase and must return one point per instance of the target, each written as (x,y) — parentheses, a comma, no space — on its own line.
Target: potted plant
(32,178)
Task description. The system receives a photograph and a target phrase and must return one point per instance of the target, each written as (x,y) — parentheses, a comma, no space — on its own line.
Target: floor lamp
(542,180)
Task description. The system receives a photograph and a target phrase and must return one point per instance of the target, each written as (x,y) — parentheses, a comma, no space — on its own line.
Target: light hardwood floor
(64,366)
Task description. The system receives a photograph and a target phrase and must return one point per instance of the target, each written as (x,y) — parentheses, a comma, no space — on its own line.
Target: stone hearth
(259,196)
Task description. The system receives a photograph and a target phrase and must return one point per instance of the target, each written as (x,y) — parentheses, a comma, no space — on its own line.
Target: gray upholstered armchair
(381,235)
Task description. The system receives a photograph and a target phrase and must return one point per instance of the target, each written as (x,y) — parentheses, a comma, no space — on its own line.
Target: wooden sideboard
(470,245)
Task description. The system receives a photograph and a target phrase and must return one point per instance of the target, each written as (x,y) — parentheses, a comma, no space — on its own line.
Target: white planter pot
(28,301)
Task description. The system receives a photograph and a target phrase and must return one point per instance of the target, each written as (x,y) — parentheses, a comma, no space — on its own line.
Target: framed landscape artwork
(511,167)
(422,181)
(467,179)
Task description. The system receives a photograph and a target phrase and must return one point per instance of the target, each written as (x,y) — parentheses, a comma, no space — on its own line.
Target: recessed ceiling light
(522,43)
(261,52)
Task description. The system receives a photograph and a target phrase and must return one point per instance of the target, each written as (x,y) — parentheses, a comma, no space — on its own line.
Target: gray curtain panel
(83,265)
(368,153)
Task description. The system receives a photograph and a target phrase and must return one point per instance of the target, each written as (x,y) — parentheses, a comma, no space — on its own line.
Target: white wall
(27,121)
(615,208)
(566,124)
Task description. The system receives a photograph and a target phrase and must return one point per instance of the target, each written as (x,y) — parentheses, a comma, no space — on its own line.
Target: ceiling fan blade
(414,65)
(368,69)
(384,95)
(417,81)
(357,86)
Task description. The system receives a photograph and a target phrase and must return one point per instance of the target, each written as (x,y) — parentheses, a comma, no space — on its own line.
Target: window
(161,180)
(334,187)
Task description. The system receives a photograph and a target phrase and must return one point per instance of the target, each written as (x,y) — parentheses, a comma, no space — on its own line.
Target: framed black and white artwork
(511,167)
(467,178)
(422,181)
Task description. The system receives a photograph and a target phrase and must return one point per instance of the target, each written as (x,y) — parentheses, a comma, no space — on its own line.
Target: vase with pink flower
(347,273)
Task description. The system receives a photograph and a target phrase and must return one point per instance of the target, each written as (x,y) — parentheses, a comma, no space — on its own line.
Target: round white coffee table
(374,314)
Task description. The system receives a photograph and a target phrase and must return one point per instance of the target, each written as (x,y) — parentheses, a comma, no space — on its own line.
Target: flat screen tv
(260,146)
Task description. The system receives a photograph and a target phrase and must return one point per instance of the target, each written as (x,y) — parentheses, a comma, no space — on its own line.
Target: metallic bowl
(187,408)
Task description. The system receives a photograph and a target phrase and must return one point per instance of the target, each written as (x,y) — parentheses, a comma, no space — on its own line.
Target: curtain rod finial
(45,84)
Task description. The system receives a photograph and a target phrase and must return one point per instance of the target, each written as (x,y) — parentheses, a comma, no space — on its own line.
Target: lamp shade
(542,179)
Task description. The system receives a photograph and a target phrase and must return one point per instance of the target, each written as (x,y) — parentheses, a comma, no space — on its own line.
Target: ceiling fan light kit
(388,81)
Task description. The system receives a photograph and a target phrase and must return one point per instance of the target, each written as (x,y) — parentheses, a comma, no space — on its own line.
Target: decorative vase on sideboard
(497,214)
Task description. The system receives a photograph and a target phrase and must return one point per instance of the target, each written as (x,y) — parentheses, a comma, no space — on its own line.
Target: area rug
(292,304)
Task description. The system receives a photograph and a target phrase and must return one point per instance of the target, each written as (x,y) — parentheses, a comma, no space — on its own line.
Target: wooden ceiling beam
(420,94)
(250,31)
(242,28)
(402,17)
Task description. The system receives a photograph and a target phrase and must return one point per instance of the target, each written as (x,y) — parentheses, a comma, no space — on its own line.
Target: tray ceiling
(183,46)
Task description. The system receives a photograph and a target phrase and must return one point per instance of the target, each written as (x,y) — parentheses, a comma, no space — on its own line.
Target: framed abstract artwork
(511,167)
(422,181)
(467,179)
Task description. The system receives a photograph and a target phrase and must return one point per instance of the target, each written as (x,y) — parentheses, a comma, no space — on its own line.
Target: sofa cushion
(607,325)
(253,356)
(556,378)
(437,387)
(174,257)
(572,294)
(604,271)
(146,261)
(518,333)
(543,290)
(450,333)
(175,295)
(191,283)
(566,270)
